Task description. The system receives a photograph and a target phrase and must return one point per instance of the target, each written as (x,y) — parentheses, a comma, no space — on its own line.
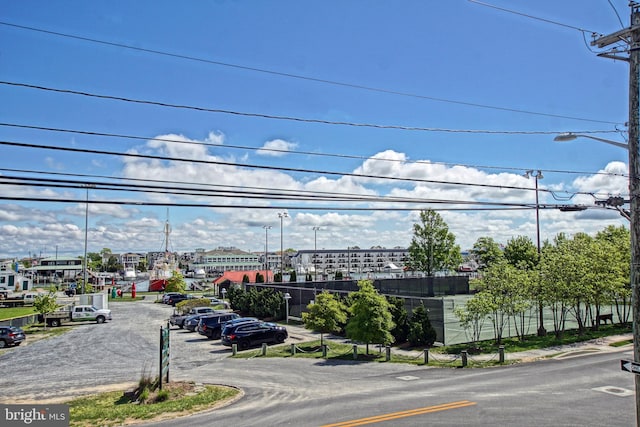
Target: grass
(11,312)
(344,352)
(175,399)
(533,342)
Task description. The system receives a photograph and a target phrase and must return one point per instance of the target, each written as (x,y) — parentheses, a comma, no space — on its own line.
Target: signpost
(630,366)
(164,354)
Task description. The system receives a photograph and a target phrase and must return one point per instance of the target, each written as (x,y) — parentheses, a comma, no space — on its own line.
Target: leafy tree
(400,318)
(45,304)
(486,251)
(245,278)
(522,253)
(618,240)
(293,277)
(433,247)
(259,278)
(277,277)
(370,320)
(338,275)
(421,333)
(326,315)
(176,283)
(472,316)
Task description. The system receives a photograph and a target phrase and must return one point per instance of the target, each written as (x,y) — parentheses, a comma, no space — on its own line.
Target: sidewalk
(298,333)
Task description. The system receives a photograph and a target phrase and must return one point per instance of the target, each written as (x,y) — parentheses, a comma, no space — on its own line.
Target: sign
(630,366)
(164,354)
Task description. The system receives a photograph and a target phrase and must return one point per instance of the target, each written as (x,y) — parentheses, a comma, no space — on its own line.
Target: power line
(308,78)
(306,153)
(253,166)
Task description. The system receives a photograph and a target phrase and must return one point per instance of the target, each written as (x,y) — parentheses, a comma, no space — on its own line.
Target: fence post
(426,356)
(355,352)
(264,348)
(501,353)
(388,355)
(234,349)
(463,354)
(324,351)
(292,349)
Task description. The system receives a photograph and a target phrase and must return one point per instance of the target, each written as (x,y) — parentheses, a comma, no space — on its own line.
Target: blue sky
(500,84)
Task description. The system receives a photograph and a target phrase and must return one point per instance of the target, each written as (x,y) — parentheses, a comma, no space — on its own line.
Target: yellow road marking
(402,414)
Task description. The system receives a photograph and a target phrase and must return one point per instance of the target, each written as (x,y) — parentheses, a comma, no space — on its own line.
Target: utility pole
(631,36)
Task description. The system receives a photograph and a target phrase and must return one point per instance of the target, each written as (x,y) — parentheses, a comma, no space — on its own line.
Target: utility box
(99,300)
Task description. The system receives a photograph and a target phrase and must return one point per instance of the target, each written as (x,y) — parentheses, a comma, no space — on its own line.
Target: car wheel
(100,319)
(244,344)
(54,322)
(180,326)
(3,343)
(280,338)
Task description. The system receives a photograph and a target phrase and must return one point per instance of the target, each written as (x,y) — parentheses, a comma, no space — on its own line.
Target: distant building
(217,261)
(353,260)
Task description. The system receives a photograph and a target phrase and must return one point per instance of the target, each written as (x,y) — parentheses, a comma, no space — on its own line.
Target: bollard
(234,349)
(264,348)
(355,352)
(463,354)
(426,356)
(324,351)
(293,349)
(501,353)
(388,355)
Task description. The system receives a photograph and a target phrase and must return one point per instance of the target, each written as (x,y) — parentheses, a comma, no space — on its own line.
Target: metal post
(292,349)
(315,250)
(634,188)
(355,352)
(282,215)
(426,356)
(501,353)
(388,353)
(86,232)
(266,250)
(264,348)
(463,355)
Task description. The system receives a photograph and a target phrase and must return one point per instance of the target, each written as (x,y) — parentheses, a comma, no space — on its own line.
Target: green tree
(338,275)
(370,320)
(325,315)
(486,251)
(259,278)
(400,318)
(472,317)
(45,304)
(521,253)
(176,283)
(293,277)
(618,240)
(277,277)
(433,247)
(421,333)
(245,278)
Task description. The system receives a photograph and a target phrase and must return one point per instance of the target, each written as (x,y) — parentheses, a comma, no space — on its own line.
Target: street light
(266,248)
(287,297)
(86,232)
(282,215)
(315,250)
(569,136)
(538,175)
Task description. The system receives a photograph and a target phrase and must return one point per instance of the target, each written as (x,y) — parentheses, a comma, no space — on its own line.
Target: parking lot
(114,355)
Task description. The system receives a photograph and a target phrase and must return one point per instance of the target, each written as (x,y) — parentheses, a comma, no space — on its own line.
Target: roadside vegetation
(147,403)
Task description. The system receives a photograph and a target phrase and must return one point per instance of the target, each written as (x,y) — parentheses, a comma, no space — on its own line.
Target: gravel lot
(93,357)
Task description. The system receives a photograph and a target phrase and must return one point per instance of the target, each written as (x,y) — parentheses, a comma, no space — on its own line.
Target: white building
(354,260)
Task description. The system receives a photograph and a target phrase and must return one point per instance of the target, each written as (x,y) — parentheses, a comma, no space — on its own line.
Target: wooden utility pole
(631,36)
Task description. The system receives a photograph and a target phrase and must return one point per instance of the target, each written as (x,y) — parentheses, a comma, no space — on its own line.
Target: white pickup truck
(76,313)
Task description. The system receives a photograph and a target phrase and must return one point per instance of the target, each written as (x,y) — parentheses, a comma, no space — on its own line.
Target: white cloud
(276,148)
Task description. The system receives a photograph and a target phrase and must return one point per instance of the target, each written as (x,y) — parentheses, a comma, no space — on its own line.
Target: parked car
(11,335)
(248,334)
(174,299)
(168,295)
(211,326)
(178,319)
(191,322)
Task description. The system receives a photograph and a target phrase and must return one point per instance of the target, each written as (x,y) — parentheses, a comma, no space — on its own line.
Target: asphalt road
(574,391)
